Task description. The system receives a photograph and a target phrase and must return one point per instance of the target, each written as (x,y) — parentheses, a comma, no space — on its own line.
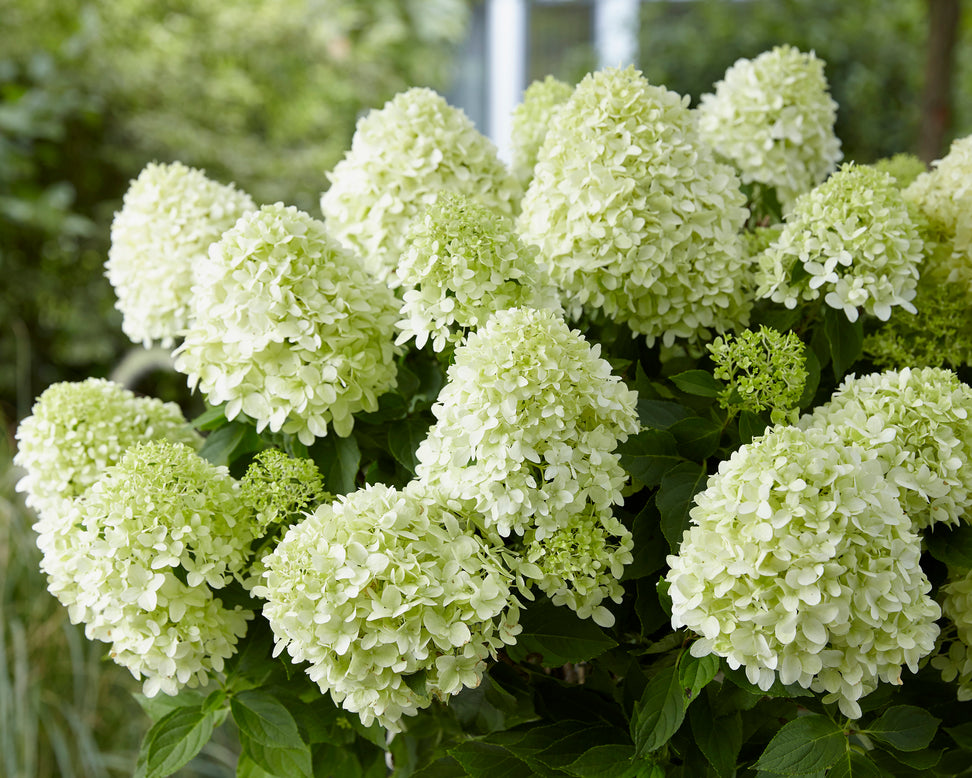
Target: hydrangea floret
(801,564)
(277,486)
(919,422)
(401,157)
(633,214)
(850,240)
(530,121)
(77,430)
(383,587)
(763,369)
(954,659)
(169,217)
(153,537)
(463,262)
(288,329)
(773,118)
(525,444)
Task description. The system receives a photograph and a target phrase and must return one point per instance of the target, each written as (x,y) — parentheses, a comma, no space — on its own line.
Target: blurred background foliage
(266,94)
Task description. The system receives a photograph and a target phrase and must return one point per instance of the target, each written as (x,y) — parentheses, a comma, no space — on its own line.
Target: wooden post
(943,25)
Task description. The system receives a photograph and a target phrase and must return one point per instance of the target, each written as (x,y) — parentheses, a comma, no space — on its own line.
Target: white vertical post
(506,36)
(616,32)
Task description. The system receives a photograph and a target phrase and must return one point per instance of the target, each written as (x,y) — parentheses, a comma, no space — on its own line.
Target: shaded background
(266,94)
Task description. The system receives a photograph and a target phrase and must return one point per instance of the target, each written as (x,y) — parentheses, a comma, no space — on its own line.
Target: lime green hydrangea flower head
(773,118)
(288,329)
(633,214)
(383,588)
(955,657)
(277,486)
(170,215)
(903,168)
(463,262)
(850,240)
(527,426)
(530,121)
(153,537)
(944,195)
(763,369)
(401,157)
(801,564)
(77,430)
(919,422)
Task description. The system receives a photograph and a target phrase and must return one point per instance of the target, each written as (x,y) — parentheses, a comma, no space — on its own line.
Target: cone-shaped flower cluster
(530,121)
(401,157)
(773,118)
(851,240)
(287,328)
(524,442)
(633,214)
(170,216)
(391,599)
(463,262)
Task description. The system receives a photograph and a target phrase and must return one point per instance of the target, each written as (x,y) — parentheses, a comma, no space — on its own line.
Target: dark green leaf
(675,498)
(812,365)
(906,727)
(923,759)
(660,414)
(175,739)
(962,734)
(226,444)
(659,713)
(486,760)
(391,406)
(853,764)
(445,767)
(719,740)
(650,613)
(606,761)
(807,744)
(951,546)
(650,548)
(751,425)
(247,768)
(279,762)
(211,418)
(161,704)
(404,438)
(557,636)
(338,459)
(648,455)
(695,673)
(845,338)
(698,382)
(697,438)
(265,719)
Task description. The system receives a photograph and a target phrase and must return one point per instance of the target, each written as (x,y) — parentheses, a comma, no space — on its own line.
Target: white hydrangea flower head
(633,214)
(944,196)
(851,240)
(580,565)
(391,599)
(527,426)
(170,215)
(288,329)
(401,156)
(153,537)
(530,121)
(77,430)
(463,262)
(955,659)
(800,563)
(773,118)
(919,421)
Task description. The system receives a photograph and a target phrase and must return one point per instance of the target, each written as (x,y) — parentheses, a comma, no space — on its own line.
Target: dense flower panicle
(288,329)
(762,368)
(800,563)
(401,157)
(170,215)
(773,118)
(463,262)
(851,240)
(77,430)
(903,168)
(633,214)
(382,585)
(151,539)
(277,486)
(944,196)
(955,658)
(530,121)
(919,422)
